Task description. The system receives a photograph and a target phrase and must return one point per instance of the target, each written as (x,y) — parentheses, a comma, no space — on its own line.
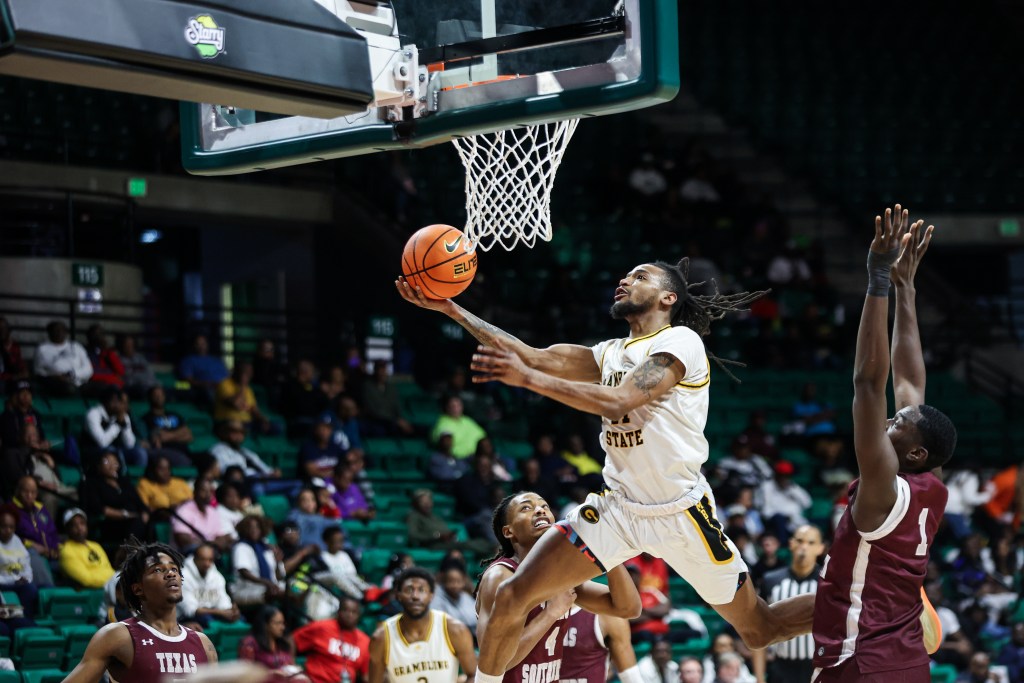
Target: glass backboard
(458,67)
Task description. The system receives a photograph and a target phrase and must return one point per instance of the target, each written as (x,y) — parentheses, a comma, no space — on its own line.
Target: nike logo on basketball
(450,248)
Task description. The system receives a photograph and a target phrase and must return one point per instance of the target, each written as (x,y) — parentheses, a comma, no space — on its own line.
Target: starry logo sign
(202,32)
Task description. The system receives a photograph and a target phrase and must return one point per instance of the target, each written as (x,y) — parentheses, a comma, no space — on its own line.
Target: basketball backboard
(458,67)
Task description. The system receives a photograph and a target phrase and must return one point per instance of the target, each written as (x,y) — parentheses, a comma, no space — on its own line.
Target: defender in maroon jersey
(867,615)
(518,522)
(151,647)
(590,640)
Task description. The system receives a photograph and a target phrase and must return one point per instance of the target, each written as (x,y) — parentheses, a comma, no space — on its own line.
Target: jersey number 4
(552,642)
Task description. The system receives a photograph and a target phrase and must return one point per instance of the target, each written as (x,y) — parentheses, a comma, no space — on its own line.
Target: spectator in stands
(965,494)
(812,417)
(230,451)
(502,465)
(783,502)
(268,371)
(166,429)
(348,497)
(319,454)
(658,667)
(770,558)
(356,460)
(648,185)
(108,429)
(29,457)
(18,412)
(655,605)
(229,506)
(474,496)
(302,400)
(690,670)
(464,430)
(760,439)
(743,467)
(444,468)
(340,569)
(1004,508)
(426,528)
(730,669)
(61,364)
(204,593)
(698,189)
(106,492)
(345,423)
(1012,654)
(552,466)
(107,368)
(453,598)
(202,371)
(332,384)
(197,521)
(335,649)
(269,644)
(12,365)
(310,522)
(653,572)
(588,470)
(723,648)
(159,489)
(15,565)
(83,561)
(752,522)
(234,400)
(382,410)
(979,670)
(293,553)
(532,479)
(139,377)
(259,575)
(36,529)
(790,267)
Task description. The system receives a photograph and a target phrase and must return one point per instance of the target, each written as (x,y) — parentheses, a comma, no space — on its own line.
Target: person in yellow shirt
(235,400)
(158,489)
(587,469)
(83,561)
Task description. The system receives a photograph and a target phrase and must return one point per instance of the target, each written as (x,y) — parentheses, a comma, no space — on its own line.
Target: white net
(509,176)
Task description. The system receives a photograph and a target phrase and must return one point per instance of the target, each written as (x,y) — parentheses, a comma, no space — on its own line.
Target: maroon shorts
(848,672)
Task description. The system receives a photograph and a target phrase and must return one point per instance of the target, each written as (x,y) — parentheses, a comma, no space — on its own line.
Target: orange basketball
(435,260)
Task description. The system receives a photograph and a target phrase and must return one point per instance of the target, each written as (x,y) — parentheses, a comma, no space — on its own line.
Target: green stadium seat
(68,606)
(697,647)
(71,476)
(5,646)
(944,673)
(276,507)
(43,676)
(77,637)
(37,648)
(391,534)
(228,636)
(10,677)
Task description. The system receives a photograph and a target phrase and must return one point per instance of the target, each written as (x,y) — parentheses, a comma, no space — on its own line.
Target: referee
(792,661)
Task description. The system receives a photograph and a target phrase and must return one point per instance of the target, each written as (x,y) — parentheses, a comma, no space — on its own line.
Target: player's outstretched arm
(875,456)
(658,374)
(377,653)
(908,373)
(568,361)
(619,642)
(462,641)
(111,643)
(618,599)
(538,626)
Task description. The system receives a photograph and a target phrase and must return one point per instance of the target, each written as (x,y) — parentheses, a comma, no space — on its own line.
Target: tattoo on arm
(485,332)
(650,373)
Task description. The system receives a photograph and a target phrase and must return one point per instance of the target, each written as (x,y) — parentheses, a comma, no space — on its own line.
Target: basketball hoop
(509,176)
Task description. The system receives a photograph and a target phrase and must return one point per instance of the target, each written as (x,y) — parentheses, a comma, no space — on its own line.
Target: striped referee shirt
(779,585)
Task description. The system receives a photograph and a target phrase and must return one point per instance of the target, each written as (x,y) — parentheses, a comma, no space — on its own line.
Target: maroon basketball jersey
(585,656)
(544,662)
(869,598)
(160,658)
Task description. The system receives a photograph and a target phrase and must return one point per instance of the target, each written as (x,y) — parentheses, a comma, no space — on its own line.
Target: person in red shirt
(653,572)
(107,368)
(335,649)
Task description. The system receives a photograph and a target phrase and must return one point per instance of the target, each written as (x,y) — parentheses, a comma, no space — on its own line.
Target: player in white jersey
(420,645)
(651,389)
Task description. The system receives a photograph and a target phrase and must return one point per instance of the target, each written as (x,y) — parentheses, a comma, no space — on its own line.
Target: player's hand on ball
(414,295)
(914,246)
(890,230)
(498,365)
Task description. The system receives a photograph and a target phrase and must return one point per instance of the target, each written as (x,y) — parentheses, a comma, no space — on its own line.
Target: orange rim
(499,79)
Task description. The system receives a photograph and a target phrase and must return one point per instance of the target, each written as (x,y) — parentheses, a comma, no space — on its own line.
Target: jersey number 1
(922,547)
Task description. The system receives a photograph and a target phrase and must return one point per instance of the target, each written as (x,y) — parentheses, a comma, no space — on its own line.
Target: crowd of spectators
(141,473)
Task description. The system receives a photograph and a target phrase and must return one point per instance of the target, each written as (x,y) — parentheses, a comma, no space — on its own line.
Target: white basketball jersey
(656,451)
(427,661)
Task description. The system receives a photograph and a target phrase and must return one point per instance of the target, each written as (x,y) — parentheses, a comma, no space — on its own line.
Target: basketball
(435,260)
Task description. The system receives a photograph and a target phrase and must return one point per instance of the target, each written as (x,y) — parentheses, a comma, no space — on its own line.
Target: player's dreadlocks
(505,548)
(698,311)
(136,555)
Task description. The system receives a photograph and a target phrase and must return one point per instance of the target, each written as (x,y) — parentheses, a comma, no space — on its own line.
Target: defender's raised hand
(914,246)
(889,232)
